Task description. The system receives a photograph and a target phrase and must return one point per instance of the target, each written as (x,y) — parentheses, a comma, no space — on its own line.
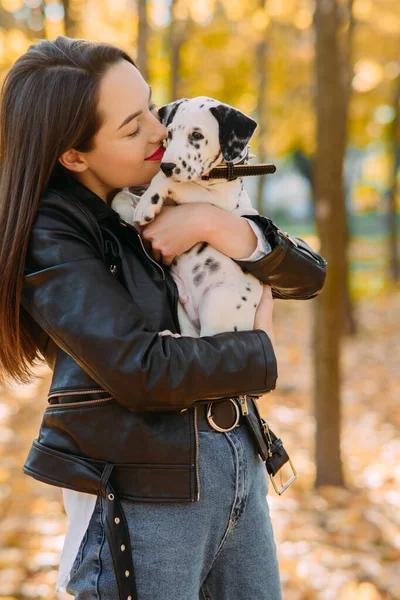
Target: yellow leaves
(12,5)
(15,44)
(260,20)
(235,9)
(304,17)
(362,591)
(369,74)
(201,12)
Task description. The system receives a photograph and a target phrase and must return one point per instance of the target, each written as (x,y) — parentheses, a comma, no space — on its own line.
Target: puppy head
(202,133)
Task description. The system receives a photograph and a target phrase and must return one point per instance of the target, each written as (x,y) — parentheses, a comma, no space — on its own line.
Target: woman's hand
(263,316)
(176,229)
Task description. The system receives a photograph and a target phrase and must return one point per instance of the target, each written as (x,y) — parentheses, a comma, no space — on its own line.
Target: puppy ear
(168,111)
(235,130)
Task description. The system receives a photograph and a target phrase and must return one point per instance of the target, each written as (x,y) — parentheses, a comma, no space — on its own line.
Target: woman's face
(130,133)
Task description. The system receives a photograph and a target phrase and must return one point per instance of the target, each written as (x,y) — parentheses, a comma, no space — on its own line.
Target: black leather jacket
(96,301)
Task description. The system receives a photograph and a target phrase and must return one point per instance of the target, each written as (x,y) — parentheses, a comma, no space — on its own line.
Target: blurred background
(322,79)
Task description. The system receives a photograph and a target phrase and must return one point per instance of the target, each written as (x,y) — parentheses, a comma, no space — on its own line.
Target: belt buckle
(287,484)
(212,423)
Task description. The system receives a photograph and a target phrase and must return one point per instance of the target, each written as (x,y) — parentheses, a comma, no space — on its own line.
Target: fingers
(168,332)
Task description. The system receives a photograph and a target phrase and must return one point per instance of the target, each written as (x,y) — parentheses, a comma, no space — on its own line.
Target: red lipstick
(157,155)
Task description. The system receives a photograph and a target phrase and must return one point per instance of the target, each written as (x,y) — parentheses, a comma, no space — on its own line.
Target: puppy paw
(148,207)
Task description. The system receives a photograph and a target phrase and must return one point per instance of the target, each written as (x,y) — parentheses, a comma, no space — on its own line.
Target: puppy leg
(152,200)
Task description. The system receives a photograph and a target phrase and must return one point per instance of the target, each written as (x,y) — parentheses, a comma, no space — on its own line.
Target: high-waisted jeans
(219,548)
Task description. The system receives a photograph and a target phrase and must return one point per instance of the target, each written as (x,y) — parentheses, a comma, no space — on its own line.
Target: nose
(167,168)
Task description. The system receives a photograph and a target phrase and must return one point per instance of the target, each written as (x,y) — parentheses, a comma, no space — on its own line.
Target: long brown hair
(48,106)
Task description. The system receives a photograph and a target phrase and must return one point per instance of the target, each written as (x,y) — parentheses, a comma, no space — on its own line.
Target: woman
(177,506)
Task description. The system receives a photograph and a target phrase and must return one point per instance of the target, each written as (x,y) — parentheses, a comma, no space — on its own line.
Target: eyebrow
(136,114)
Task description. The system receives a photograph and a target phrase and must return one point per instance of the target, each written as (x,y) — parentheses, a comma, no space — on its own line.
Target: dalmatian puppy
(215,293)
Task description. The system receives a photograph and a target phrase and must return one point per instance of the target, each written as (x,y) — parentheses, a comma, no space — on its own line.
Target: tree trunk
(178,32)
(347,23)
(394,270)
(331,227)
(69,23)
(143,34)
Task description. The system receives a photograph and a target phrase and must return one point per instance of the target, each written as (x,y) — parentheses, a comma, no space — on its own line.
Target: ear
(73,161)
(235,130)
(168,111)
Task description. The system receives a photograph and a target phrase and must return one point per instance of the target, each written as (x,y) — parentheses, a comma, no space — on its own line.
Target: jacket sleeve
(293,269)
(71,294)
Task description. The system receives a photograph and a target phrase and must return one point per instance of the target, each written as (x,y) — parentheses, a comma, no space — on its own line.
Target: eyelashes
(139,129)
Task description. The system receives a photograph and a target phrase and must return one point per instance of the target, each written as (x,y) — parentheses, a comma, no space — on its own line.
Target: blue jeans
(219,548)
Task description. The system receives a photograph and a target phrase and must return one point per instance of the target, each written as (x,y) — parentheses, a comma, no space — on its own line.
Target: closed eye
(138,130)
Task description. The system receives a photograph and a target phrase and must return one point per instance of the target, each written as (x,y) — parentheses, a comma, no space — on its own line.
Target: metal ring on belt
(213,424)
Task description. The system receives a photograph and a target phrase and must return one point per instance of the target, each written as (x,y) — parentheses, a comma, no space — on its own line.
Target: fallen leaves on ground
(333,544)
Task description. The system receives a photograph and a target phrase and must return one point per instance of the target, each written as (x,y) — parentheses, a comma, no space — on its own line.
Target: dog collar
(230,171)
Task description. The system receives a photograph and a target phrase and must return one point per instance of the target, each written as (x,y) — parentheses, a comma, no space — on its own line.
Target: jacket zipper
(73,393)
(82,403)
(197,453)
(125,224)
(243,394)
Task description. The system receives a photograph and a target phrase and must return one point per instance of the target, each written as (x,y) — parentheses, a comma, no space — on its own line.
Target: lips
(158,154)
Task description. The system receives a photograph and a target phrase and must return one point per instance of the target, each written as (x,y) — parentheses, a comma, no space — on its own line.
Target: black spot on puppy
(174,262)
(212,264)
(184,163)
(248,288)
(243,269)
(255,305)
(155,198)
(244,298)
(198,278)
(201,105)
(202,247)
(238,306)
(196,267)
(177,170)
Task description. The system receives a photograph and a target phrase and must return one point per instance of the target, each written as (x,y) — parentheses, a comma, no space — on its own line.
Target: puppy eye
(196,135)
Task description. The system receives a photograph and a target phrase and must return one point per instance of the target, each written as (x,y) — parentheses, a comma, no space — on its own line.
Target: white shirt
(80,506)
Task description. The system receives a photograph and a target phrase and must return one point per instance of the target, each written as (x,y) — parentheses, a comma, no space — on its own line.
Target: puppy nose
(167,168)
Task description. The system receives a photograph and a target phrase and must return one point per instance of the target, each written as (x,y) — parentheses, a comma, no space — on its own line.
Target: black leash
(230,171)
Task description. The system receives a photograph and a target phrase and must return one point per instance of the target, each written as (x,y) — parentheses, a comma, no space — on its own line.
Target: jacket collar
(63,182)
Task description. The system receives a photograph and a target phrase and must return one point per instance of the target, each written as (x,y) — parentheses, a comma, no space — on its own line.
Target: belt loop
(105,476)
